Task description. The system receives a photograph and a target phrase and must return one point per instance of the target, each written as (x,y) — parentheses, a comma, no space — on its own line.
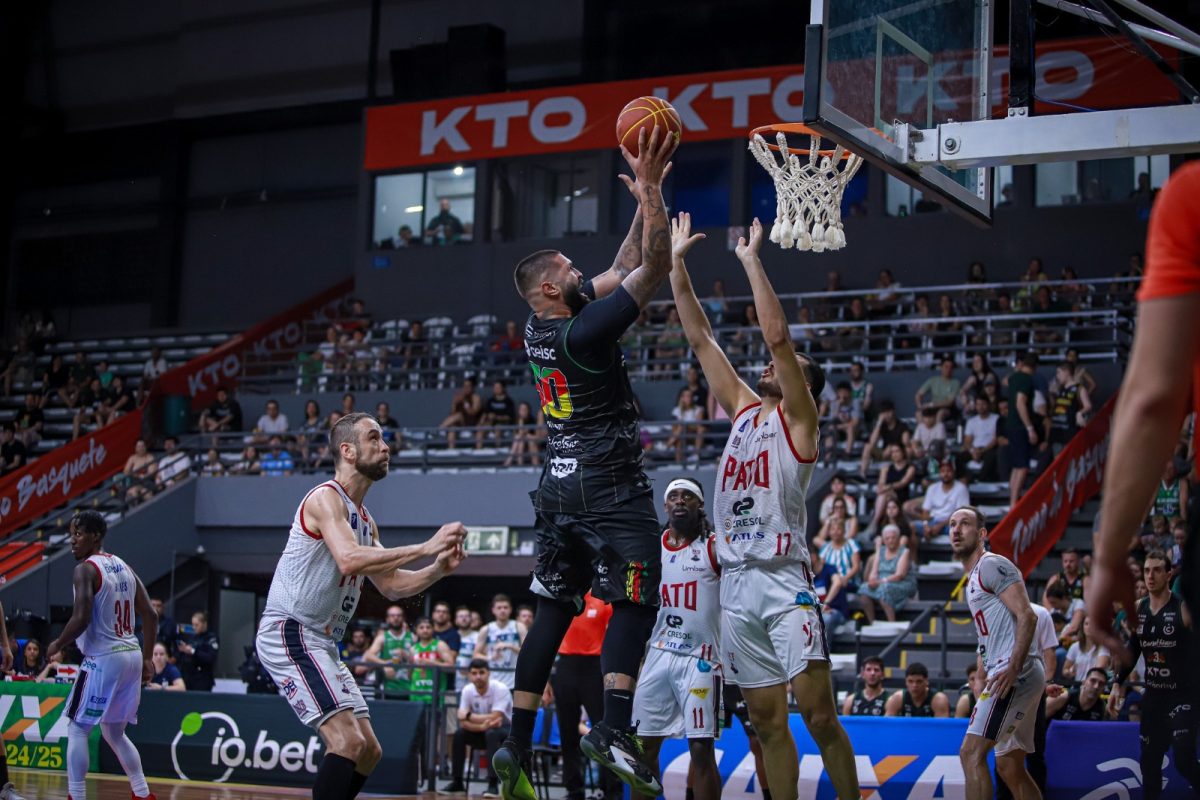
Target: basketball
(646,112)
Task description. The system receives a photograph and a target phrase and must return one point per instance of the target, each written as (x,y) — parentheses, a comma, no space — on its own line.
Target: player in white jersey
(679,684)
(1005,717)
(332,548)
(773,635)
(108,598)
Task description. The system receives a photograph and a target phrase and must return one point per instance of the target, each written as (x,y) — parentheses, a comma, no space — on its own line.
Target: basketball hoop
(808,191)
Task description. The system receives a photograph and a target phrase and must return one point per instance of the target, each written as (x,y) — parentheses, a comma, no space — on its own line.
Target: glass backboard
(870,64)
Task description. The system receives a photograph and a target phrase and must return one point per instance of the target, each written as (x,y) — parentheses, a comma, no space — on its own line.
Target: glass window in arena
(547,196)
(1108,180)
(408,208)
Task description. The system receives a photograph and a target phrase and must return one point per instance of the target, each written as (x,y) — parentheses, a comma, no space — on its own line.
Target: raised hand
(749,249)
(654,152)
(632,185)
(682,237)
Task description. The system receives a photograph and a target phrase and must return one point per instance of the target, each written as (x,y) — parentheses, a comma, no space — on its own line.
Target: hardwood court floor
(45,785)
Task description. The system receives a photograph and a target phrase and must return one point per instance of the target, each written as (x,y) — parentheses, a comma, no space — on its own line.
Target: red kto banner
(222,366)
(1090,73)
(66,471)
(1030,529)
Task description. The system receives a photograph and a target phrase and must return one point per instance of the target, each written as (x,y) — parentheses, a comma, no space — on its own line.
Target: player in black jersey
(916,700)
(1081,703)
(870,700)
(1161,633)
(596,521)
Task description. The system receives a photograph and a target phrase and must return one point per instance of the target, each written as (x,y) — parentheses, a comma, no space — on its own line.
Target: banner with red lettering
(278,336)
(66,471)
(1030,529)
(1090,73)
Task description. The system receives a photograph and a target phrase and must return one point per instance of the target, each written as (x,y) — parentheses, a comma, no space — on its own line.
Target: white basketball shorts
(676,696)
(306,668)
(771,625)
(108,689)
(1010,721)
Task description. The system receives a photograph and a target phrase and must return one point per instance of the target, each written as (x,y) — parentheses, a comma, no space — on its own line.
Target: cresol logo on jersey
(210,745)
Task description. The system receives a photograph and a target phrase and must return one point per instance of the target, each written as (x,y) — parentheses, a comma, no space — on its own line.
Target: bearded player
(680,680)
(332,548)
(1005,718)
(596,523)
(773,634)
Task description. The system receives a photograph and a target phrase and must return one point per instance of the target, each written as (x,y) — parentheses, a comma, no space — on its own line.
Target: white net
(808,192)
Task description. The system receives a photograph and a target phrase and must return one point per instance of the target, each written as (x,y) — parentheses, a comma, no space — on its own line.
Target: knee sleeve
(628,631)
(77,754)
(541,644)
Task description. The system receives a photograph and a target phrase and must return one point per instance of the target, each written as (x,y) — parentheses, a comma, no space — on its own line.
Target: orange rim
(768,133)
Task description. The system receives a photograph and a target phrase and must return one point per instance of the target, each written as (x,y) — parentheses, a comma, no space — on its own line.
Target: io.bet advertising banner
(257,739)
(35,728)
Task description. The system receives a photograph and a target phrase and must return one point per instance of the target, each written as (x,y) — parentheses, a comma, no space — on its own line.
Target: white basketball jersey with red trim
(308,586)
(758,506)
(689,618)
(111,627)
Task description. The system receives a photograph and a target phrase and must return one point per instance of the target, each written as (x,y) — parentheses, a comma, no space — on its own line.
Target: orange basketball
(646,112)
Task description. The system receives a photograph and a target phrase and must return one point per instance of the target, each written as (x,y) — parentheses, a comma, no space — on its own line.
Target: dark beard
(768,388)
(688,527)
(374,472)
(574,299)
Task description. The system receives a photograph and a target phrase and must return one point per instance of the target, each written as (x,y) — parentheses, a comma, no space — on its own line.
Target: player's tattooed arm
(649,168)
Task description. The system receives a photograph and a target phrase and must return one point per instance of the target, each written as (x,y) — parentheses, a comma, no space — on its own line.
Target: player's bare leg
(1011,768)
(345,749)
(651,746)
(370,757)
(769,713)
(705,777)
(978,778)
(813,691)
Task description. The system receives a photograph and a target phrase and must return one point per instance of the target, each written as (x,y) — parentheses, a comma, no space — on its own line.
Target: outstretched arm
(799,406)
(405,583)
(649,167)
(723,381)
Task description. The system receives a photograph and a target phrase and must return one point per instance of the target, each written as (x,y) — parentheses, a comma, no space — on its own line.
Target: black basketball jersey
(911,709)
(1074,588)
(863,706)
(1066,406)
(593,450)
(1073,710)
(1162,640)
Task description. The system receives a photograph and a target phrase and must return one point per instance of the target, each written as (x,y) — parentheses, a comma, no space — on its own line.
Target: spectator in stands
(498,410)
(174,465)
(29,421)
(932,512)
(1171,498)
(430,652)
(79,375)
(893,514)
(22,362)
(745,340)
(894,482)
(390,649)
(852,338)
(391,427)
(312,430)
(362,359)
(845,416)
(223,415)
(271,422)
(1084,654)
(862,390)
(166,675)
(829,308)
(890,579)
(978,300)
(672,344)
(352,653)
(1079,372)
(969,694)
(105,373)
(929,429)
(805,335)
(405,238)
(939,392)
(248,464)
(443,626)
(1022,429)
(888,431)
(30,662)
(841,516)
(465,410)
(837,491)
(62,667)
(916,700)
(120,399)
(871,699)
(716,307)
(525,437)
(466,636)
(331,356)
(508,347)
(918,327)
(12,450)
(500,641)
(1070,407)
(695,385)
(525,615)
(831,591)
(355,318)
(838,548)
(1072,613)
(1046,330)
(213,465)
(154,367)
(348,402)
(884,303)
(445,228)
(686,411)
(484,719)
(414,346)
(277,460)
(55,381)
(91,403)
(168,632)
(976,384)
(139,472)
(1082,702)
(198,655)
(980,444)
(949,328)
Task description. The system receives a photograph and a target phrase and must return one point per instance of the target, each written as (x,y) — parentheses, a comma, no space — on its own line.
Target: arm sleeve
(1173,242)
(997,573)
(599,325)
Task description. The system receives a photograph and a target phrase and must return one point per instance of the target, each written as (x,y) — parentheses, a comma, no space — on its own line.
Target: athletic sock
(766,793)
(335,776)
(522,726)
(77,760)
(618,708)
(356,785)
